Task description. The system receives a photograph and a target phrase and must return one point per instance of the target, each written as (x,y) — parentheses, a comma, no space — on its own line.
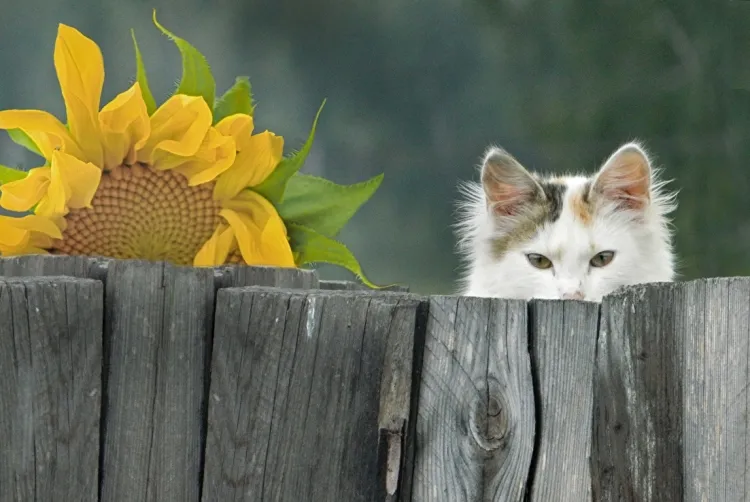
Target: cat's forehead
(563,215)
(572,229)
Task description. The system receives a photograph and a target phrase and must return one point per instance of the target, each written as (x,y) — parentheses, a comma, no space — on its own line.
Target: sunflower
(186,182)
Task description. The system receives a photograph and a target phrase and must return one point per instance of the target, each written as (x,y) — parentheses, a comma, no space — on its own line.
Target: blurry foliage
(419,89)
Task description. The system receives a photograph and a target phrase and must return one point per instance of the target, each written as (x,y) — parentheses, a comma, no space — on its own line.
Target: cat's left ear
(625,178)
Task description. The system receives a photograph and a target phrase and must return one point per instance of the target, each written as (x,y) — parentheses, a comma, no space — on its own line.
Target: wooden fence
(138,381)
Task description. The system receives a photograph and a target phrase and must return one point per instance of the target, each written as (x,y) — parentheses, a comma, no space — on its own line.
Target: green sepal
(311,247)
(21,138)
(141,78)
(238,99)
(9,174)
(196,75)
(322,205)
(274,186)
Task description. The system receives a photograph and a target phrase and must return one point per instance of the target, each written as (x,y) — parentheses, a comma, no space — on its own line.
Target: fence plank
(50,388)
(563,350)
(293,409)
(671,393)
(157,320)
(475,429)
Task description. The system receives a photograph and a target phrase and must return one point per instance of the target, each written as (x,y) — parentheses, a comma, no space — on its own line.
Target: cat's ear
(625,178)
(508,186)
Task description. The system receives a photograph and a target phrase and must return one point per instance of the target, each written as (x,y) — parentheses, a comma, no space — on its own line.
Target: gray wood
(50,265)
(397,415)
(672,393)
(357,286)
(241,275)
(158,321)
(294,399)
(563,354)
(50,388)
(638,395)
(475,428)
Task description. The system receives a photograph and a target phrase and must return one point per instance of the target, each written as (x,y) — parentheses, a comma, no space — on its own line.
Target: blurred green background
(418,89)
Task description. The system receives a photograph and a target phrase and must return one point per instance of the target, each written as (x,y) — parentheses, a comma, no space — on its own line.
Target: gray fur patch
(543,211)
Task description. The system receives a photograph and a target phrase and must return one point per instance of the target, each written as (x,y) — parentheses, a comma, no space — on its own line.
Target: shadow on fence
(128,380)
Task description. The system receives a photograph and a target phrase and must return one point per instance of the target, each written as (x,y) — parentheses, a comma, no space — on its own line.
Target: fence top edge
(47,279)
(377,294)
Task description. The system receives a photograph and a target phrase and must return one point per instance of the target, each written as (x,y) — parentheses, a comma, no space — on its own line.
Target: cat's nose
(576,295)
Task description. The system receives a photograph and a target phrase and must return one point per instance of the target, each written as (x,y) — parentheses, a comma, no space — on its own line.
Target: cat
(579,237)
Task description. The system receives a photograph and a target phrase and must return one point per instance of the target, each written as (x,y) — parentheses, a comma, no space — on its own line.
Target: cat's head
(570,237)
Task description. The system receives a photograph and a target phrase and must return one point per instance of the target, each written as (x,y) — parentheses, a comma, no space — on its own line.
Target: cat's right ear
(508,186)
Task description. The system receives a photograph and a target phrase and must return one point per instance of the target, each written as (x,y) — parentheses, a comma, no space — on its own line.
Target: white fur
(642,245)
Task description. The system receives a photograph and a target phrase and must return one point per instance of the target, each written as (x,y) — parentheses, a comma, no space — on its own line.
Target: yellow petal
(253,165)
(239,126)
(80,179)
(216,249)
(259,230)
(178,128)
(23,235)
(23,194)
(44,129)
(216,155)
(125,126)
(80,70)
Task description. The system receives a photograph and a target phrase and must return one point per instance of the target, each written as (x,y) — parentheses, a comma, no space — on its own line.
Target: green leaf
(8,174)
(274,186)
(238,99)
(141,78)
(21,138)
(196,75)
(312,247)
(323,205)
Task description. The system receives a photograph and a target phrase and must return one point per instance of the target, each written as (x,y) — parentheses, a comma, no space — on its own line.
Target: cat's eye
(602,259)
(539,261)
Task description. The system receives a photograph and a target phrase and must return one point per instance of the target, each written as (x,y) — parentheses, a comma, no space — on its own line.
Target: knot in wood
(489,422)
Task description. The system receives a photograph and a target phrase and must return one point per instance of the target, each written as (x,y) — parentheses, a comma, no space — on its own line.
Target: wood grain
(50,388)
(294,400)
(357,286)
(671,395)
(563,353)
(475,427)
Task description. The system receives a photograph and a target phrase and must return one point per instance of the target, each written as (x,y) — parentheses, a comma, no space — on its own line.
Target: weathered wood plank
(50,388)
(475,427)
(158,330)
(356,286)
(672,393)
(158,323)
(50,265)
(398,390)
(294,398)
(229,276)
(563,354)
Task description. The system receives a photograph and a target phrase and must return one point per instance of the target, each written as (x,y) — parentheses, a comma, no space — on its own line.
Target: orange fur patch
(581,208)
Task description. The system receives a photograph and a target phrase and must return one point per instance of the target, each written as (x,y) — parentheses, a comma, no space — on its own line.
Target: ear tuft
(507,185)
(625,178)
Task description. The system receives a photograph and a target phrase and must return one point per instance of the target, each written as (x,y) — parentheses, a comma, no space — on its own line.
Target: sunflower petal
(216,249)
(47,133)
(260,232)
(79,179)
(239,126)
(216,155)
(23,194)
(24,235)
(125,126)
(178,128)
(80,70)
(253,165)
